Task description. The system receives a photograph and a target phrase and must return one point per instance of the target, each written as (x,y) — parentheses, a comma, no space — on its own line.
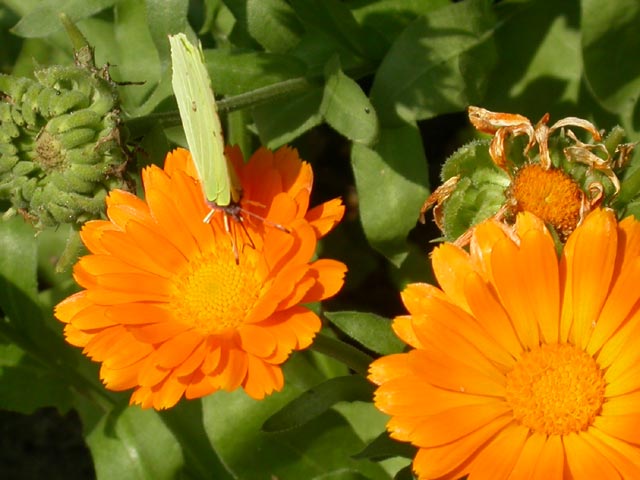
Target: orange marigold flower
(523,364)
(167,307)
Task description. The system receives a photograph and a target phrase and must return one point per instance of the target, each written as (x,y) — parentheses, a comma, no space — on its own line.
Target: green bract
(60,144)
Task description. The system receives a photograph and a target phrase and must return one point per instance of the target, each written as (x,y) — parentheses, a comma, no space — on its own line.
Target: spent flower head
(544,169)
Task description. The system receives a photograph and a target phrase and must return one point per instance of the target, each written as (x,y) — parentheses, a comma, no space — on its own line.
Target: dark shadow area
(43,445)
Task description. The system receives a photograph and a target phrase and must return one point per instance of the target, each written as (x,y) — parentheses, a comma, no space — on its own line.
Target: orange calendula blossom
(167,307)
(523,364)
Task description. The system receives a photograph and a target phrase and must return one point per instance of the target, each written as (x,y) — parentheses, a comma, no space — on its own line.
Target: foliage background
(373,94)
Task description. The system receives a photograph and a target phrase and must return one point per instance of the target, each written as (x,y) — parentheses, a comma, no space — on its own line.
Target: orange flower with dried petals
(523,364)
(167,308)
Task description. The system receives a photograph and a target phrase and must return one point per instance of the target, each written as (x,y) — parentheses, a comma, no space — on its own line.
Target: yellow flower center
(556,389)
(214,293)
(548,193)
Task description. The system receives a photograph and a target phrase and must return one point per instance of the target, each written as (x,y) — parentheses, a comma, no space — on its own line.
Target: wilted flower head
(170,311)
(546,170)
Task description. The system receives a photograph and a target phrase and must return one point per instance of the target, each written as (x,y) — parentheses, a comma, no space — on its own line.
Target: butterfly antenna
(246,232)
(266,222)
(232,236)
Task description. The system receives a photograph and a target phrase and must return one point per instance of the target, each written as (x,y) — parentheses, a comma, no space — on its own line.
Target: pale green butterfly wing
(197,105)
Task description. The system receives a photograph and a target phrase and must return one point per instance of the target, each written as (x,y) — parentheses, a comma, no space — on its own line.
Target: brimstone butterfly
(198,111)
(199,115)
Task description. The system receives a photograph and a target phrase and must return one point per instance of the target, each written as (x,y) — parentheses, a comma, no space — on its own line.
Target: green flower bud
(60,148)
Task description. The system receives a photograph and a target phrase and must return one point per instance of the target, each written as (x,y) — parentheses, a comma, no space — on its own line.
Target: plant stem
(253,98)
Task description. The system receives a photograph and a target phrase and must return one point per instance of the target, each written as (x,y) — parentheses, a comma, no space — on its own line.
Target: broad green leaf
(610,46)
(185,420)
(42,20)
(370,330)
(280,122)
(18,263)
(346,107)
(318,400)
(273,24)
(438,64)
(138,59)
(30,352)
(539,69)
(236,73)
(27,384)
(392,183)
(134,444)
(334,19)
(321,448)
(389,17)
(166,17)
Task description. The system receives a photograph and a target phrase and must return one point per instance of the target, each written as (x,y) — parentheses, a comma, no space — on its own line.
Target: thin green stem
(353,358)
(253,98)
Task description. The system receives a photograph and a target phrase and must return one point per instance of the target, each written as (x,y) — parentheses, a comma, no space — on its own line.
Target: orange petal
(257,341)
(618,305)
(403,328)
(199,387)
(490,314)
(625,427)
(499,455)
(623,456)
(584,461)
(510,272)
(329,279)
(451,265)
(325,216)
(590,252)
(175,351)
(262,378)
(440,461)
(529,456)
(456,423)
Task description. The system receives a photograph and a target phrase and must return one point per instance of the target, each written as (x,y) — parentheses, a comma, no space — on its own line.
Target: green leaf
(320,449)
(318,400)
(166,17)
(42,20)
(18,264)
(281,121)
(336,23)
(273,24)
(390,17)
(539,69)
(138,59)
(28,385)
(610,46)
(439,64)
(30,351)
(391,179)
(385,447)
(185,421)
(134,444)
(370,330)
(235,73)
(346,107)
